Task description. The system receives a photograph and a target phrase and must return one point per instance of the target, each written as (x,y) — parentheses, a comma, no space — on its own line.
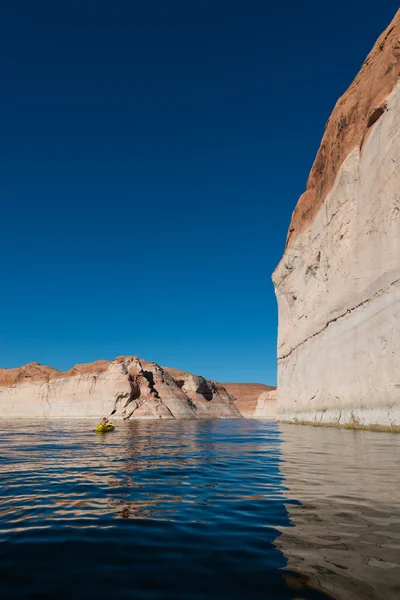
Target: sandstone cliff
(338,284)
(126,388)
(254,400)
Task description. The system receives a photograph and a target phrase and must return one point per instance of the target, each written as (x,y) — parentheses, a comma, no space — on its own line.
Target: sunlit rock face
(125,388)
(338,283)
(254,400)
(266,405)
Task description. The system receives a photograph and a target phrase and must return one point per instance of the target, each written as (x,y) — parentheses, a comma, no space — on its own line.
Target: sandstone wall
(266,405)
(254,400)
(125,388)
(338,284)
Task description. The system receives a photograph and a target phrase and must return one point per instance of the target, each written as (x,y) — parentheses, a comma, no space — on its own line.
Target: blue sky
(151,154)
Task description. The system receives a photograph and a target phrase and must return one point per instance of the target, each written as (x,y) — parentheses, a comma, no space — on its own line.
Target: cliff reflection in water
(223,510)
(346,510)
(160,510)
(142,457)
(186,470)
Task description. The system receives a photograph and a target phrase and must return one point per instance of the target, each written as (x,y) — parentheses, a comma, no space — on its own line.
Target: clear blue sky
(151,154)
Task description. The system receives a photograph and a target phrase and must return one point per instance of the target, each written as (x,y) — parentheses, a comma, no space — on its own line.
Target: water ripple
(194,510)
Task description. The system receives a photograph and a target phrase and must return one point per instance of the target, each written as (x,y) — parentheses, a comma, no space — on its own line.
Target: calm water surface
(195,510)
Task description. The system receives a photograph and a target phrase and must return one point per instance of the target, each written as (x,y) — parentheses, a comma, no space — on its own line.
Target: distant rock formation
(126,388)
(254,400)
(338,283)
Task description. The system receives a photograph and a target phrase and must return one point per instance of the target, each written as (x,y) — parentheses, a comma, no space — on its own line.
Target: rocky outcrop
(338,284)
(254,400)
(125,388)
(266,405)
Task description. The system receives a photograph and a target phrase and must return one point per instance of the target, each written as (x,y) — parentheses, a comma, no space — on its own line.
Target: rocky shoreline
(125,388)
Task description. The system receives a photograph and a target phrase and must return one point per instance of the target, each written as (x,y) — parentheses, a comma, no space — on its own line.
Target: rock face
(338,283)
(126,388)
(254,400)
(266,405)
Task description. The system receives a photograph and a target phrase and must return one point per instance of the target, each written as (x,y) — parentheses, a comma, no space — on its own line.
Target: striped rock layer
(126,388)
(338,283)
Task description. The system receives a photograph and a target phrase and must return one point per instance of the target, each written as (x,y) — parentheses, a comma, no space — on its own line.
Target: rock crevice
(377,294)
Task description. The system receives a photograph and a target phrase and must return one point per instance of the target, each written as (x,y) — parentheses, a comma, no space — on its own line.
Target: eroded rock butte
(126,387)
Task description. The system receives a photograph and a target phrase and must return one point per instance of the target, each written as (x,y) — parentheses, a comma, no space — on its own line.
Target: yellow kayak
(104,428)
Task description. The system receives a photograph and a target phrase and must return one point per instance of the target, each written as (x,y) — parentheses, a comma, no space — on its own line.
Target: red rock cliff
(352,118)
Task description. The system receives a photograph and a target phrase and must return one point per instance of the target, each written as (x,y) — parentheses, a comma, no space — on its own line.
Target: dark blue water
(170,510)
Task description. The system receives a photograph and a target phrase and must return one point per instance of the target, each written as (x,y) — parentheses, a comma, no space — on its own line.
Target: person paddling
(104,426)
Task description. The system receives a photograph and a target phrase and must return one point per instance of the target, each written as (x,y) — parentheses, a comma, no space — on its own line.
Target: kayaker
(104,426)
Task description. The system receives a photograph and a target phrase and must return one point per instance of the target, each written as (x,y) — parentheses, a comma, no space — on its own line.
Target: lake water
(195,510)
